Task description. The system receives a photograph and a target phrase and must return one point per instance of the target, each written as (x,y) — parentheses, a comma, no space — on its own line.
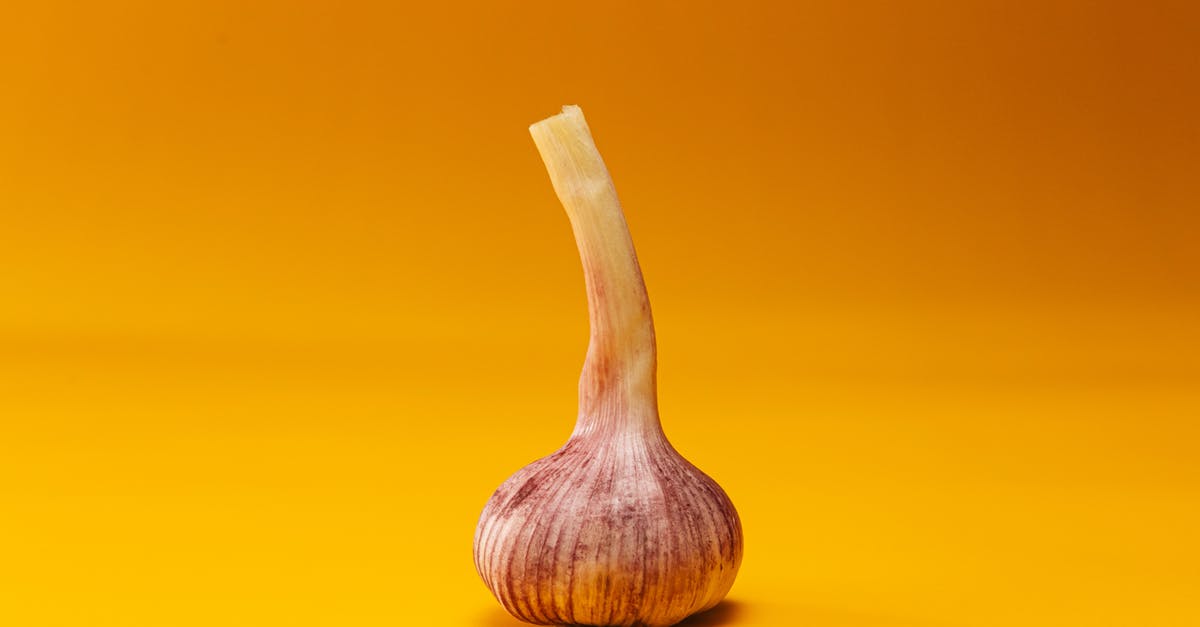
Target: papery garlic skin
(622,532)
(615,528)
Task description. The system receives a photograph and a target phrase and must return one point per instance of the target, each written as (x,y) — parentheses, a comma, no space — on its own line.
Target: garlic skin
(616,527)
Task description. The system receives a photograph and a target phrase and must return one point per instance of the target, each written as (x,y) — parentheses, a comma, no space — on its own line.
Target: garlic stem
(617,389)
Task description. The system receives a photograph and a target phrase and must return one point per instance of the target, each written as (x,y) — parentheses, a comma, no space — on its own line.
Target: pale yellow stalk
(619,371)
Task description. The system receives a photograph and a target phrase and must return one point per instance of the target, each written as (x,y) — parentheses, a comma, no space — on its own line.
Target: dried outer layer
(609,531)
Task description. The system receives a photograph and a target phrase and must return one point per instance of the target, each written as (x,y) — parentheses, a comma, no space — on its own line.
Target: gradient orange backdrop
(285,293)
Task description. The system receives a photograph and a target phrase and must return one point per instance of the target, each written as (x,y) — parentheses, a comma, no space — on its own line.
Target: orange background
(285,293)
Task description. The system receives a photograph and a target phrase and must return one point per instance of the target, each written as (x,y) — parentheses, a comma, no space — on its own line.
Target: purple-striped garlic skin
(609,531)
(615,528)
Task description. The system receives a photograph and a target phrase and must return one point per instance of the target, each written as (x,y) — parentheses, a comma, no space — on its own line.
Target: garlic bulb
(615,528)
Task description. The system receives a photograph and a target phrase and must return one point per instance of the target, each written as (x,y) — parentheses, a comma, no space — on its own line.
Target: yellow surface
(285,294)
